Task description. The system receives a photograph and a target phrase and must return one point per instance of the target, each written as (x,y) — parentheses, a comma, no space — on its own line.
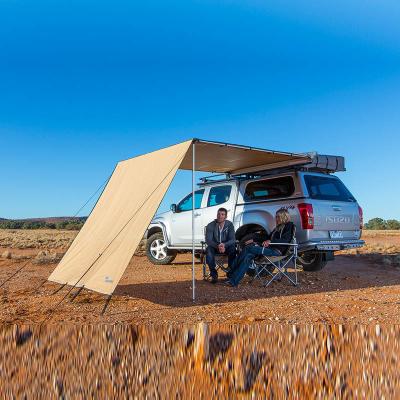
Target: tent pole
(193,208)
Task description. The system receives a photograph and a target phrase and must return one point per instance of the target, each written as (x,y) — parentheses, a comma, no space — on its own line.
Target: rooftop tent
(103,248)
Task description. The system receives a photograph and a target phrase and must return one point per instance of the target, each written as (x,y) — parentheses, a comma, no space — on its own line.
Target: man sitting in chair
(281,234)
(220,239)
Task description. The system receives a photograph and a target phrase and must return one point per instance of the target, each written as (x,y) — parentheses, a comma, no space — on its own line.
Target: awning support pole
(193,208)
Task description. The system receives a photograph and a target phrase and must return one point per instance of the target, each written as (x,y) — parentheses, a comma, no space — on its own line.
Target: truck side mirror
(173,208)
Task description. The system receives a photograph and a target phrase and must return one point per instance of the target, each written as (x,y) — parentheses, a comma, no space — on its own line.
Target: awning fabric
(114,229)
(235,159)
(103,248)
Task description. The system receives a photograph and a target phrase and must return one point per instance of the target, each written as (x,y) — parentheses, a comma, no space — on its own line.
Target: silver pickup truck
(327,216)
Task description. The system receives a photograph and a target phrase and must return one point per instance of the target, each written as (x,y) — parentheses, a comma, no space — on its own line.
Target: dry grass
(36,239)
(383,233)
(376,241)
(372,248)
(51,243)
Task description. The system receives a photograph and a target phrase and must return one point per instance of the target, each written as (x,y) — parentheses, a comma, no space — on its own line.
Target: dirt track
(358,288)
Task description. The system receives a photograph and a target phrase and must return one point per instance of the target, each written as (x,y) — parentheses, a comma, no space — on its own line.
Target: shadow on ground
(346,273)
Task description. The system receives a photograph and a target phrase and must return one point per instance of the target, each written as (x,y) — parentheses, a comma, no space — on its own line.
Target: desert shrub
(11,225)
(381,224)
(393,224)
(73,226)
(67,224)
(376,223)
(34,225)
(70,225)
(61,225)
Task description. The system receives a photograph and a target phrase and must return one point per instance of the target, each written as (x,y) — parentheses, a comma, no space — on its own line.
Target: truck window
(327,188)
(186,203)
(269,189)
(219,195)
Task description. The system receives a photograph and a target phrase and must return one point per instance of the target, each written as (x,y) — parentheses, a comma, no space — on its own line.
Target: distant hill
(69,223)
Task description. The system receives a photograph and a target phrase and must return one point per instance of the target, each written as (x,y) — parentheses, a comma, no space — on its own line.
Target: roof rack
(211,178)
(319,163)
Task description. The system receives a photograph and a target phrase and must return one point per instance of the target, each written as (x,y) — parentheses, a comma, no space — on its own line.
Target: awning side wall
(115,228)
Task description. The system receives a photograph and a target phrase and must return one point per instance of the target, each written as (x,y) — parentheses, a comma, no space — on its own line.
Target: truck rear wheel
(157,252)
(312,260)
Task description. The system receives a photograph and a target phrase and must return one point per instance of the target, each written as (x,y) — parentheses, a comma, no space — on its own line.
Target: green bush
(381,224)
(11,225)
(69,224)
(393,224)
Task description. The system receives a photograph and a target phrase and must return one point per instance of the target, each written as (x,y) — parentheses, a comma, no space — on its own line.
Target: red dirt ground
(353,288)
(54,346)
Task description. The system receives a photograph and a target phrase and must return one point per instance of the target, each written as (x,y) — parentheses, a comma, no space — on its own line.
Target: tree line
(382,224)
(68,224)
(77,223)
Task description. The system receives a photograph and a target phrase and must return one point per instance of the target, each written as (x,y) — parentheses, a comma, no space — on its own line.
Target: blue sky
(84,84)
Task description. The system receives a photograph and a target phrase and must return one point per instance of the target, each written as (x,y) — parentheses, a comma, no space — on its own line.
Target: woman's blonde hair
(282,216)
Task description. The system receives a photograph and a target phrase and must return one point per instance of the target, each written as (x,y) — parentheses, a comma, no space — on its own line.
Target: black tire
(156,249)
(312,261)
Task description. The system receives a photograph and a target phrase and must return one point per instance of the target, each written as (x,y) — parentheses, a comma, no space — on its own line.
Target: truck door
(181,222)
(217,197)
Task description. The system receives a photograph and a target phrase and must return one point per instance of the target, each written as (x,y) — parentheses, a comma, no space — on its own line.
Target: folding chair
(221,260)
(275,267)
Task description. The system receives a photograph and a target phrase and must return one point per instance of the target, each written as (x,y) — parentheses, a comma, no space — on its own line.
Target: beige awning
(103,248)
(236,159)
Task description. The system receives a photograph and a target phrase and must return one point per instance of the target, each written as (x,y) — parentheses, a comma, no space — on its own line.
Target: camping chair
(221,260)
(275,267)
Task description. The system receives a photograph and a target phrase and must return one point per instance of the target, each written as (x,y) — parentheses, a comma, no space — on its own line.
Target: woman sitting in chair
(283,233)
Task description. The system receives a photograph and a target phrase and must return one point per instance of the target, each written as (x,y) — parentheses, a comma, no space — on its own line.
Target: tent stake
(193,208)
(77,293)
(60,288)
(106,304)
(41,285)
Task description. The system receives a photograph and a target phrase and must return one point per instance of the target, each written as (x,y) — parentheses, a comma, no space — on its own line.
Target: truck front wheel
(157,252)
(312,260)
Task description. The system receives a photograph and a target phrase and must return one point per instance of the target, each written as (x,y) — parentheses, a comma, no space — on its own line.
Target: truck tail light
(361,216)
(306,215)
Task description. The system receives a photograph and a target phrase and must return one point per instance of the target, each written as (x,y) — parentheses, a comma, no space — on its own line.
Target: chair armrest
(284,244)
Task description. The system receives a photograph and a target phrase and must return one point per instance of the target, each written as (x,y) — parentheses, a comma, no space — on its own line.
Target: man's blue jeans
(244,260)
(211,252)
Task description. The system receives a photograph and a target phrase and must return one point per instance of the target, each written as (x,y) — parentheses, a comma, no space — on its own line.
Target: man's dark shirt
(214,238)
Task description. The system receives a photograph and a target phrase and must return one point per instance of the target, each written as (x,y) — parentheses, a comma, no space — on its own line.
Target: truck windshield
(327,188)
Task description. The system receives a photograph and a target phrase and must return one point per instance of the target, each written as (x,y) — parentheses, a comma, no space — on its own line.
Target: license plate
(336,234)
